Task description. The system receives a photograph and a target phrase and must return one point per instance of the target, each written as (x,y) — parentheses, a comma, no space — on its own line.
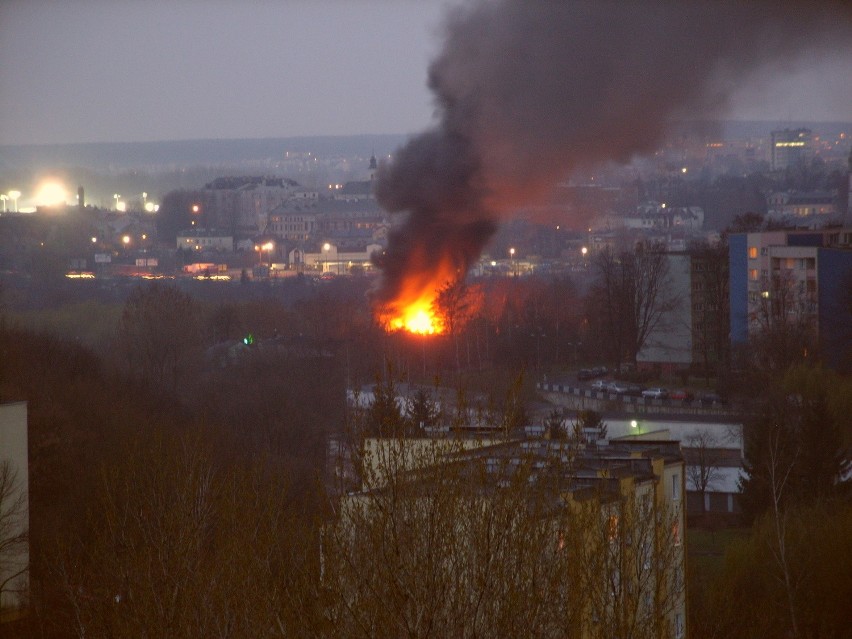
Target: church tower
(374,165)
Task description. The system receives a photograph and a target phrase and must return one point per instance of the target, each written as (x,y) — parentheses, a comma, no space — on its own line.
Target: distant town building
(199,239)
(795,206)
(791,148)
(351,224)
(242,204)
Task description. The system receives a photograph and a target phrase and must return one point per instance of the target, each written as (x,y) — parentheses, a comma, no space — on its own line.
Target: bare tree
(457,304)
(159,337)
(14,535)
(182,546)
(785,323)
(632,297)
(437,546)
(703,462)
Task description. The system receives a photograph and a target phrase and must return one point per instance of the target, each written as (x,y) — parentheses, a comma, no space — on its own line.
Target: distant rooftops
(250,182)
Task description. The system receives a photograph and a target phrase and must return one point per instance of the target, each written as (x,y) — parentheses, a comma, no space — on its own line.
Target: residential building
(791,148)
(801,277)
(694,330)
(632,490)
(814,208)
(200,239)
(242,204)
(669,344)
(350,224)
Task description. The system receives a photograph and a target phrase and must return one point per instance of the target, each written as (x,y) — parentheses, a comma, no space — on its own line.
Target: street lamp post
(325,249)
(268,248)
(4,197)
(512,260)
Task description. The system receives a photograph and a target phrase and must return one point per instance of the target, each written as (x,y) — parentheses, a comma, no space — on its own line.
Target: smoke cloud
(527,91)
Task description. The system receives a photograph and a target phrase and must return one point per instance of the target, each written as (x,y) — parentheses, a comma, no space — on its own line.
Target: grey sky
(134,70)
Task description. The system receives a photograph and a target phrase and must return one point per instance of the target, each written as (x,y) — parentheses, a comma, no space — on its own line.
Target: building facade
(801,278)
(791,148)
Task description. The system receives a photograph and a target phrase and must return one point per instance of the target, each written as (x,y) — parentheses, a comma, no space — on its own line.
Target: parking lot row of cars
(616,387)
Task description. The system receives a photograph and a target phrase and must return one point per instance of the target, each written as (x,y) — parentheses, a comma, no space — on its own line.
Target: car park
(680,395)
(711,399)
(619,388)
(655,392)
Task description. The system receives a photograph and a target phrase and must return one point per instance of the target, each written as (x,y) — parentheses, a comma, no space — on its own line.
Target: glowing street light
(126,240)
(4,197)
(14,195)
(512,259)
(325,249)
(260,248)
(116,197)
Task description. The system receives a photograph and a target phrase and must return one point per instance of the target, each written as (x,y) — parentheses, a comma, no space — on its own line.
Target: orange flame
(413,308)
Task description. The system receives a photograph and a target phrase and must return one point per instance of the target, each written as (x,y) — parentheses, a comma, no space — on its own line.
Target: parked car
(599,371)
(601,384)
(655,392)
(681,395)
(619,388)
(709,399)
(633,389)
(585,373)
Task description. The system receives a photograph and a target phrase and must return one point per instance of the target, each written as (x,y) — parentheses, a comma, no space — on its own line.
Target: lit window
(752,252)
(754,274)
(612,527)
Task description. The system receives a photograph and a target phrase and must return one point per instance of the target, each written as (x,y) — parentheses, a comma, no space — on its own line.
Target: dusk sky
(127,70)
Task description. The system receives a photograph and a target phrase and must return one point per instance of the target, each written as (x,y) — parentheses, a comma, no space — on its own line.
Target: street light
(14,195)
(512,260)
(260,248)
(325,249)
(4,197)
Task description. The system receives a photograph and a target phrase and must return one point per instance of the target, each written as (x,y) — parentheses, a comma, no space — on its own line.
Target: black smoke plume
(528,90)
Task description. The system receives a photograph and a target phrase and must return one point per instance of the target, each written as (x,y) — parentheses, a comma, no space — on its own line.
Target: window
(676,487)
(754,274)
(612,527)
(752,252)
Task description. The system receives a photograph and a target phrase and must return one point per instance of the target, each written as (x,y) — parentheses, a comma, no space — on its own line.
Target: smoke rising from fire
(527,91)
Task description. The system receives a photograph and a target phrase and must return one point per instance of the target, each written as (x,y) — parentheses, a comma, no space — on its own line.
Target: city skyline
(97,71)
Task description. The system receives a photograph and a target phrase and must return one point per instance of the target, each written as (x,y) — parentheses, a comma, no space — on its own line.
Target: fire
(417,318)
(413,308)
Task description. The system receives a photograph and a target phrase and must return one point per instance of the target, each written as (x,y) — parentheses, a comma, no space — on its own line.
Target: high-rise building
(799,278)
(791,148)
